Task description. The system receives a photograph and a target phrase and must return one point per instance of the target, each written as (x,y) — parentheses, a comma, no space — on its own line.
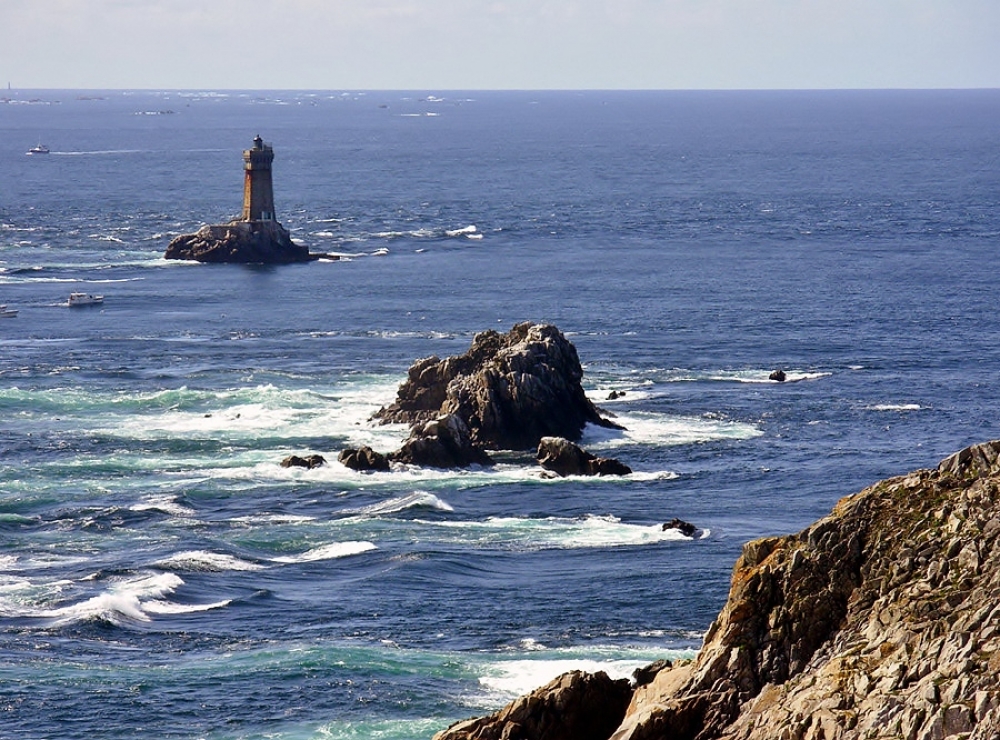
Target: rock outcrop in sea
(508,392)
(880,621)
(263,242)
(510,389)
(563,458)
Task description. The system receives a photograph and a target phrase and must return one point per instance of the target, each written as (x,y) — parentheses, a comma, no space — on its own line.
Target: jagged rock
(310,461)
(443,442)
(644,675)
(879,622)
(264,242)
(615,395)
(363,459)
(575,706)
(685,528)
(510,389)
(778,375)
(565,458)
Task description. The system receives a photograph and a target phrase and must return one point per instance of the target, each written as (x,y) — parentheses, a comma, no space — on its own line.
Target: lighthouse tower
(256,237)
(258,193)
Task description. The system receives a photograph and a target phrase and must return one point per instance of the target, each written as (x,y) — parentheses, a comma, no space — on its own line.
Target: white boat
(84,299)
(40,149)
(7,313)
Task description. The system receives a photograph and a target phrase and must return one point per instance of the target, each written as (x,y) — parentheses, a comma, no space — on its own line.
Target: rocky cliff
(881,620)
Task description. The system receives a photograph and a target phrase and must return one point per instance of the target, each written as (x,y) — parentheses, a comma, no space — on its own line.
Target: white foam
(518,677)
(206,561)
(468,231)
(763,376)
(528,533)
(509,678)
(166,504)
(646,428)
(328,552)
(653,475)
(123,602)
(417,499)
(896,407)
(157,606)
(248,413)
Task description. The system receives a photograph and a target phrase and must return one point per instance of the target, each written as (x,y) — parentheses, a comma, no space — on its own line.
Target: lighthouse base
(265,242)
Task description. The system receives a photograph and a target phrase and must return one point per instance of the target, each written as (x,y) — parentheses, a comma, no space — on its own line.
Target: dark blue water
(161,575)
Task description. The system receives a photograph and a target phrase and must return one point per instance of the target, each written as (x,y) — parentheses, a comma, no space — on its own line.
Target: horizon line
(12,89)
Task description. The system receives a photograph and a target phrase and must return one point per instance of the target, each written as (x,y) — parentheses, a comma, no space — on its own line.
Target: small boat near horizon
(7,313)
(39,149)
(84,299)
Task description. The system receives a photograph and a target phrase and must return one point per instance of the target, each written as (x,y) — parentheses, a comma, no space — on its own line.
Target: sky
(499,44)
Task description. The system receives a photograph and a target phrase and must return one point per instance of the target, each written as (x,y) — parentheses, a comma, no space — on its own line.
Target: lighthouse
(256,237)
(258,193)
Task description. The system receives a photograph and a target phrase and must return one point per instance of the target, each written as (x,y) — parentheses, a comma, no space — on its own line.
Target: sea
(162,576)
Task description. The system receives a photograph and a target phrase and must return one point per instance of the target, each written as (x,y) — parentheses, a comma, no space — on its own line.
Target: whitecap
(896,407)
(122,603)
(415,500)
(169,607)
(653,475)
(331,551)
(465,230)
(165,504)
(206,561)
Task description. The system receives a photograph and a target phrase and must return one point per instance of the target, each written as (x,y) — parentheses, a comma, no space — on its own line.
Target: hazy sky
(507,44)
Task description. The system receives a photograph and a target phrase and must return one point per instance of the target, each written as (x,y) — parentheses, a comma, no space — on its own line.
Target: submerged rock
(509,389)
(685,528)
(364,459)
(310,461)
(778,375)
(565,458)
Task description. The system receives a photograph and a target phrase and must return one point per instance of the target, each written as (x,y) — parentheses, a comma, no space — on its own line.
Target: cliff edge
(881,620)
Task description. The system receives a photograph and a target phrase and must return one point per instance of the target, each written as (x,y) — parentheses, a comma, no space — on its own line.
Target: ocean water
(162,576)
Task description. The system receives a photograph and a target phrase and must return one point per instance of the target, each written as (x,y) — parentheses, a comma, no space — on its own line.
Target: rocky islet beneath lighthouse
(257,236)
